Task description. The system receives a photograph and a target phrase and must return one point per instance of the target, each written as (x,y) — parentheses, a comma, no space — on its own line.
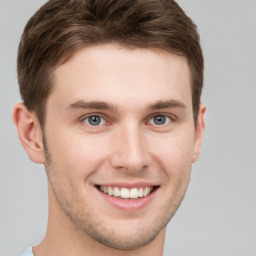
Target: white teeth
(134,193)
(140,192)
(117,192)
(110,191)
(146,191)
(126,193)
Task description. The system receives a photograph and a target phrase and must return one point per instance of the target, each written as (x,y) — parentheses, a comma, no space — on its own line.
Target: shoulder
(28,252)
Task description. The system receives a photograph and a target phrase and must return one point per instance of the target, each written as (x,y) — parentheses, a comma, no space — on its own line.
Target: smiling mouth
(125,193)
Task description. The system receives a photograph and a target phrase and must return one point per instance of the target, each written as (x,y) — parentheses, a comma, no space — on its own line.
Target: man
(111,93)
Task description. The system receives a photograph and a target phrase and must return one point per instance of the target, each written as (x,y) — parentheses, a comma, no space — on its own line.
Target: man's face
(120,120)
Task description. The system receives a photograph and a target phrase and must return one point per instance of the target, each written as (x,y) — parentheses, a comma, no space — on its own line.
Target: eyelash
(94,115)
(104,119)
(166,117)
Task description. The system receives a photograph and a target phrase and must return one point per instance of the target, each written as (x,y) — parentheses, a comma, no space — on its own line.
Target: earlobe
(200,126)
(29,132)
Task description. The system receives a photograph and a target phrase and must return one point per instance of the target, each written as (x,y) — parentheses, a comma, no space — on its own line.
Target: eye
(160,120)
(94,120)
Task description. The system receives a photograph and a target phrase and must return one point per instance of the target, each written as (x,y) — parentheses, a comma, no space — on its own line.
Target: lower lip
(129,204)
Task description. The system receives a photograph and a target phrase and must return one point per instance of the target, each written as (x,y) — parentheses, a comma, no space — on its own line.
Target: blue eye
(160,120)
(94,120)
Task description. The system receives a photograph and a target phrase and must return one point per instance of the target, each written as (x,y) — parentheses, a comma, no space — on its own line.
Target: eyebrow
(81,104)
(167,104)
(100,105)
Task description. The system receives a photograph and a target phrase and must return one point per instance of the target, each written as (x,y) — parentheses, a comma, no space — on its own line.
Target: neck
(63,237)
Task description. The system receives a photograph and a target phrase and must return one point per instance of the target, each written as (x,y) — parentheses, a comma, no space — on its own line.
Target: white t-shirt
(28,252)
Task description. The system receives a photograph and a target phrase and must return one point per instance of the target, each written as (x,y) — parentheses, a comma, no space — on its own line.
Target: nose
(129,150)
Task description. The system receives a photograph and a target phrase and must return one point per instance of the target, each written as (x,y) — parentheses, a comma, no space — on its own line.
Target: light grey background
(218,215)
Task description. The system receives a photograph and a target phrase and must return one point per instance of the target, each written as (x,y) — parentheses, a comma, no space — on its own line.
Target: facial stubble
(85,221)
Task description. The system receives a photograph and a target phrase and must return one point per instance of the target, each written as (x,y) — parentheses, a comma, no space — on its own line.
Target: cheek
(175,152)
(78,156)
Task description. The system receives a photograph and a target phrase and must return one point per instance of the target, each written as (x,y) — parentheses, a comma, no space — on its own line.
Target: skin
(127,147)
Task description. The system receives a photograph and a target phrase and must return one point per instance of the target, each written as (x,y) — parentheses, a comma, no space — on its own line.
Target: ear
(29,132)
(200,125)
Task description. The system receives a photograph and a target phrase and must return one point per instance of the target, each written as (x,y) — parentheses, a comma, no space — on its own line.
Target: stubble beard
(85,220)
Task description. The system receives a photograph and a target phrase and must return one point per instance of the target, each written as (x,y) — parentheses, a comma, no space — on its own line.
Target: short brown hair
(61,27)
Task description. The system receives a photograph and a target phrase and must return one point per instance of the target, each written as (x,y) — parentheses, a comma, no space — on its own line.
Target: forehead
(111,73)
